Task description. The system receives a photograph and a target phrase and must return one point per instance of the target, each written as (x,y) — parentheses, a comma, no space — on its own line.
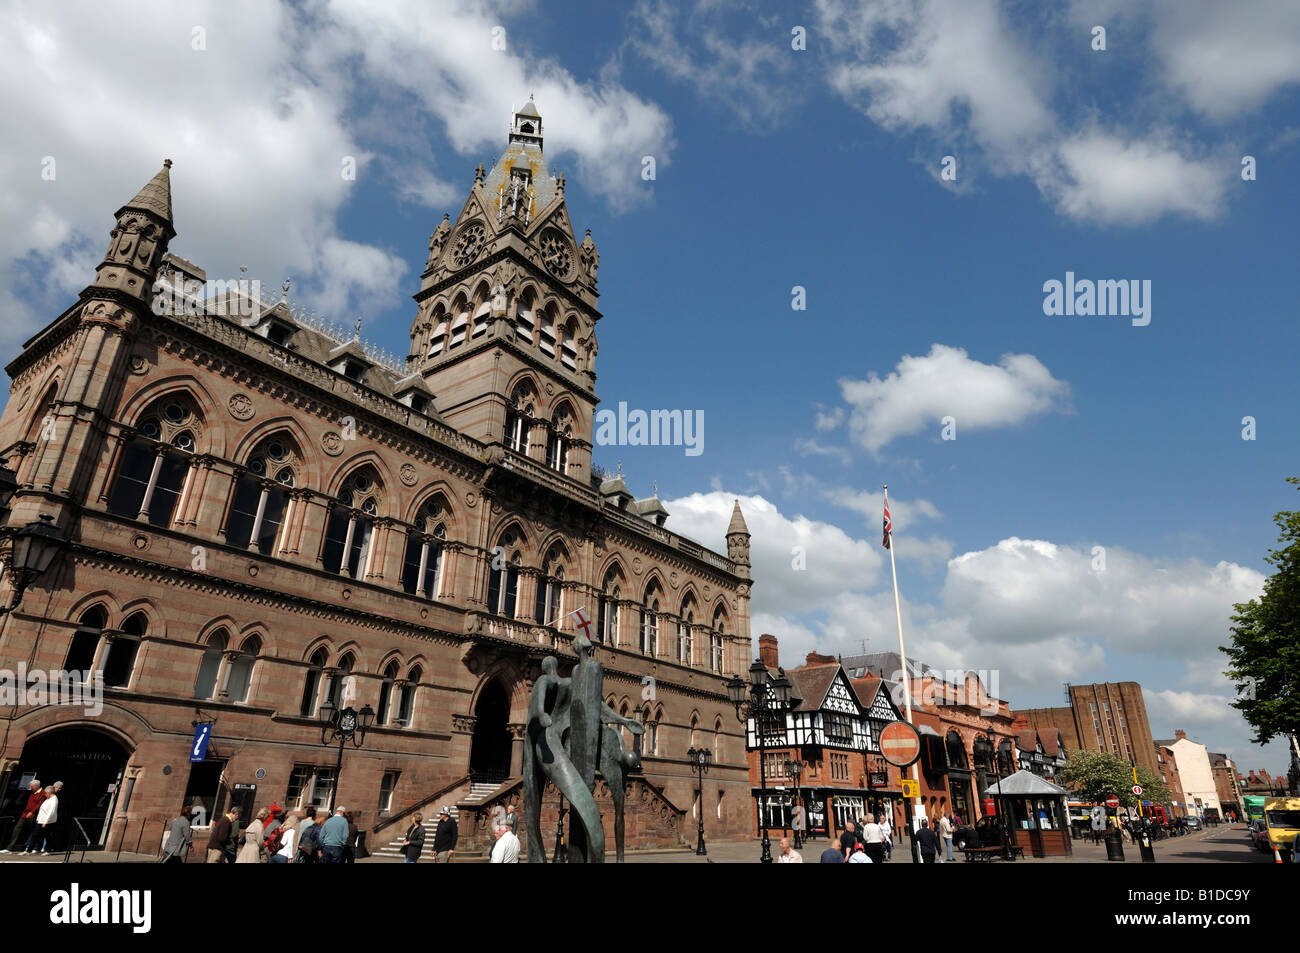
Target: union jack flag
(888,525)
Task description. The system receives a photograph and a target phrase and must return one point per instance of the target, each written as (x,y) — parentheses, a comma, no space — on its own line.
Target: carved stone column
(516,749)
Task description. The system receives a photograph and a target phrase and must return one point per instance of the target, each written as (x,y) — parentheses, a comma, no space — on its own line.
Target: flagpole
(902,659)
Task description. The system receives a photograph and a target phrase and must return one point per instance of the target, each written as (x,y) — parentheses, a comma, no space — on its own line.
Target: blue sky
(776,168)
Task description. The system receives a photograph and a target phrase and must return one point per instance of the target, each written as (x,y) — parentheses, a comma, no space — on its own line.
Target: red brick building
(265,515)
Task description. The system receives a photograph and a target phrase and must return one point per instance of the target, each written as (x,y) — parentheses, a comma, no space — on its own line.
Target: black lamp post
(700,758)
(794,769)
(762,699)
(1000,813)
(343,725)
(33,550)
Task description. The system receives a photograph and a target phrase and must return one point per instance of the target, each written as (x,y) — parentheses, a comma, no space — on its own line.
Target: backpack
(274,840)
(309,842)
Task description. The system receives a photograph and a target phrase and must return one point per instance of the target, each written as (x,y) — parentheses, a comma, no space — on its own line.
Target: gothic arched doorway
(90,765)
(489,753)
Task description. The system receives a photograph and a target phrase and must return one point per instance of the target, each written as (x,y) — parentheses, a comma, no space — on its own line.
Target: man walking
(849,839)
(309,839)
(511,820)
(927,841)
(444,838)
(945,832)
(506,849)
(413,842)
(179,840)
(874,840)
(23,829)
(334,837)
(223,829)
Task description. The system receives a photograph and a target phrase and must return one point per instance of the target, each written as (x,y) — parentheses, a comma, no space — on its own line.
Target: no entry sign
(900,744)
(1112,801)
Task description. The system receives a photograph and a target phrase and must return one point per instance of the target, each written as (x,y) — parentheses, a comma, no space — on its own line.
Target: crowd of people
(874,843)
(297,836)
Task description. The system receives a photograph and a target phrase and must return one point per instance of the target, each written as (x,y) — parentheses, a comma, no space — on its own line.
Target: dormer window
(353,370)
(419,403)
(278,333)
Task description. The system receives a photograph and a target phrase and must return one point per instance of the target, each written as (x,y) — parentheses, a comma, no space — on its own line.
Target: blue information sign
(199,750)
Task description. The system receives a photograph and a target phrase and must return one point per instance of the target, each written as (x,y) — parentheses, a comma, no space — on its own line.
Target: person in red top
(23,829)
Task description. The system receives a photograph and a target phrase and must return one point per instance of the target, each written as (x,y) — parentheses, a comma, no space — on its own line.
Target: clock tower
(505,332)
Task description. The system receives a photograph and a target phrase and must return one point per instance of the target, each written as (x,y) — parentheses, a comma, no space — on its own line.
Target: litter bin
(1114,844)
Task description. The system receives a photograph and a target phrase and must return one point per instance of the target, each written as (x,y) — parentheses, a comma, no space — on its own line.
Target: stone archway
(90,763)
(491,746)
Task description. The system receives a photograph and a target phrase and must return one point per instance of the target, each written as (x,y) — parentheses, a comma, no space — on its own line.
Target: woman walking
(288,838)
(251,850)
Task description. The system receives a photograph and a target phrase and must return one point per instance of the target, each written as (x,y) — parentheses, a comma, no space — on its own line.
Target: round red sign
(1112,801)
(900,744)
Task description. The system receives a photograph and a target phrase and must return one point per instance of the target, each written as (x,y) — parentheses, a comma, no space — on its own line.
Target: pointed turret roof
(530,109)
(156,196)
(737,524)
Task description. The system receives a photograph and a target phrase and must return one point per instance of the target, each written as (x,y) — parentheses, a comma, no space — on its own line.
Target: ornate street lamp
(700,759)
(33,550)
(794,769)
(343,725)
(1000,813)
(763,699)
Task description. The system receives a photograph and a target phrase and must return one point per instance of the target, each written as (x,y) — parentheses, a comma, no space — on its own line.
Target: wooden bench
(992,853)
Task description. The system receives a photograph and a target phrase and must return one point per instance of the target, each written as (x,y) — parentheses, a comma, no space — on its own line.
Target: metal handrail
(85,837)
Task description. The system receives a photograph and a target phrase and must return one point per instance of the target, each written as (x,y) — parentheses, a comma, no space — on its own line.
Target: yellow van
(1282,815)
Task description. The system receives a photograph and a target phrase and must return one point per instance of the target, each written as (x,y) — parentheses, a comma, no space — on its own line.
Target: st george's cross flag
(888,525)
(582,621)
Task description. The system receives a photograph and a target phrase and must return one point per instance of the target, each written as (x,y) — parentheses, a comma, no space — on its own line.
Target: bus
(1253,804)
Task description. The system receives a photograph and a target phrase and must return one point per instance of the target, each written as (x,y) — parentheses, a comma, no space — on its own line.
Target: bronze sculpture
(569,736)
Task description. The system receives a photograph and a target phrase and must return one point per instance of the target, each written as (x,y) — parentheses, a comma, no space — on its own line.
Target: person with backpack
(309,841)
(280,842)
(274,822)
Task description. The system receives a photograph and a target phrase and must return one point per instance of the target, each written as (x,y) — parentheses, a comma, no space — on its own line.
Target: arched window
(351,525)
(482,311)
(717,741)
(311,688)
(716,641)
(607,612)
(650,621)
(205,685)
(406,705)
(85,642)
(122,650)
(459,323)
(518,413)
(154,464)
(261,496)
(422,565)
(568,333)
(558,440)
(386,693)
(438,339)
(652,733)
(240,677)
(686,635)
(503,578)
(338,680)
(546,333)
(695,728)
(525,320)
(956,749)
(546,609)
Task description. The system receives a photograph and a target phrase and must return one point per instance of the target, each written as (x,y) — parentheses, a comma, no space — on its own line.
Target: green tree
(1265,650)
(1096,775)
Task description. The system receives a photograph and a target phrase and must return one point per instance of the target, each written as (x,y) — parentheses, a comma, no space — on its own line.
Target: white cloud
(258,124)
(1226,59)
(960,73)
(946,382)
(807,447)
(1104,178)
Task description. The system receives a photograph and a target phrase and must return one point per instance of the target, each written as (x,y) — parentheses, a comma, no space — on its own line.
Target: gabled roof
(1026,784)
(810,685)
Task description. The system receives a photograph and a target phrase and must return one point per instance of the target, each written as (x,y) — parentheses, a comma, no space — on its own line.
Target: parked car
(1258,832)
(1194,823)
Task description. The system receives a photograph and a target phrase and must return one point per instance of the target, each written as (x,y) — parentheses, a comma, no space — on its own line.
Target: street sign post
(910,788)
(1137,789)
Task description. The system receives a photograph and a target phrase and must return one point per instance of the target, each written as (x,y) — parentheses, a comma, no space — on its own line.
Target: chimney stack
(767,651)
(1179,734)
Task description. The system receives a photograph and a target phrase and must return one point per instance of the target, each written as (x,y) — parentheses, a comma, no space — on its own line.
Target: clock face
(556,253)
(468,244)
